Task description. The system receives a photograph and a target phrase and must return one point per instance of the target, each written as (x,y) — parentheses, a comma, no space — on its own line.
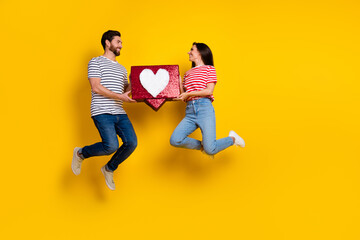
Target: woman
(197,90)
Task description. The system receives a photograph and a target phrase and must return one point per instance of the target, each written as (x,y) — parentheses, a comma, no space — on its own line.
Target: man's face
(116,45)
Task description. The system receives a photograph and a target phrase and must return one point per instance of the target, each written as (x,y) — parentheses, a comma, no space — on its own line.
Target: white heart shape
(154,84)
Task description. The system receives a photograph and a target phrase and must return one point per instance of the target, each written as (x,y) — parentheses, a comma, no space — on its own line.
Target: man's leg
(127,134)
(105,123)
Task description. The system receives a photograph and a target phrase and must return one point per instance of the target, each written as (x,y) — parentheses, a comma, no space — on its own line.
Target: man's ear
(107,43)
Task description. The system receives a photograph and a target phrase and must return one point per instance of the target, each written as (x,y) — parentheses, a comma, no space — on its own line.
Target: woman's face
(194,54)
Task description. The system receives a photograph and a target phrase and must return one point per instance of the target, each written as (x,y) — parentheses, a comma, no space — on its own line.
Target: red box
(154,84)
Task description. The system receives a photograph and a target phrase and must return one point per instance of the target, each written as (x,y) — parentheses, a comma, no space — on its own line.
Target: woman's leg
(207,123)
(179,137)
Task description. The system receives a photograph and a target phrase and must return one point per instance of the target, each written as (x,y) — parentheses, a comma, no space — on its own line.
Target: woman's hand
(183,96)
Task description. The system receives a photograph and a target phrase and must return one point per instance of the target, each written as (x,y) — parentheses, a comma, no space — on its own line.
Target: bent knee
(209,151)
(110,149)
(131,144)
(174,142)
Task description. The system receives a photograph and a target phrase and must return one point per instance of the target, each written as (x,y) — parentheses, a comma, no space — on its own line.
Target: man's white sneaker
(238,140)
(76,162)
(108,178)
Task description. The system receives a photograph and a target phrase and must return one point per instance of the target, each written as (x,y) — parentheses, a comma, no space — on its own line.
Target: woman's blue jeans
(109,126)
(199,114)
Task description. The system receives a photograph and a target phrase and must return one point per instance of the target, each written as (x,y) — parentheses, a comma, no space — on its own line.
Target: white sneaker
(76,162)
(238,140)
(108,178)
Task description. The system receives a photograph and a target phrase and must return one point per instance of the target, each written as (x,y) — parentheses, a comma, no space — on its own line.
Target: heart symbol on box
(154,83)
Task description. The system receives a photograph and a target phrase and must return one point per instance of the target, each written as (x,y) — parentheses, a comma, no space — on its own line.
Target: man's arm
(127,87)
(96,87)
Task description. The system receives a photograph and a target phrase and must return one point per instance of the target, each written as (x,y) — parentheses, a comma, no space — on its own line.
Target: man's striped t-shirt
(197,78)
(113,76)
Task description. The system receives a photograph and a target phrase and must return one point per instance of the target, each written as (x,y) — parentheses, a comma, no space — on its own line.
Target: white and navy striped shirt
(113,76)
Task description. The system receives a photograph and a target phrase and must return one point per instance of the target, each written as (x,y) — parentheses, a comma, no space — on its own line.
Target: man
(110,88)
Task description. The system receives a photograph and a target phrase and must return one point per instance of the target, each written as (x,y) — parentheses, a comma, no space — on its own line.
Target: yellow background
(288,82)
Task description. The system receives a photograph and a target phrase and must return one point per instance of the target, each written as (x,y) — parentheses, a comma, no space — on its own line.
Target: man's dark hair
(205,52)
(109,35)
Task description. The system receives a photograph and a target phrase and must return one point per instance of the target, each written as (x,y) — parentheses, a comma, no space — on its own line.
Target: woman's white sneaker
(238,140)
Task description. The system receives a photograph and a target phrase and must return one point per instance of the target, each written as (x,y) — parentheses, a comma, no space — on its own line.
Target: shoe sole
(242,144)
(103,172)
(74,159)
(234,134)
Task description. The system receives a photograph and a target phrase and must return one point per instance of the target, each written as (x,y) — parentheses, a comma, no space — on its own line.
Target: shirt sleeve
(94,69)
(126,82)
(211,76)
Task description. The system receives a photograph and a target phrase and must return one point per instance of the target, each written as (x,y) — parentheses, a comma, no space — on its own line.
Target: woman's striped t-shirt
(197,78)
(113,76)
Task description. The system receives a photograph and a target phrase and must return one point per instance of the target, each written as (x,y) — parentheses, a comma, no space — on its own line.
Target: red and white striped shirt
(197,78)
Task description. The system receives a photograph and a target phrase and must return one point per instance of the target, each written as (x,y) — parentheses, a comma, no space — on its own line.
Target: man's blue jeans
(199,114)
(109,126)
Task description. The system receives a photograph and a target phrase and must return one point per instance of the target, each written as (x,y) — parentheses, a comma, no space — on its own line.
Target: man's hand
(125,97)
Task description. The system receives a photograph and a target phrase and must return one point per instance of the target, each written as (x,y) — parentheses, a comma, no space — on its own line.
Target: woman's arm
(203,93)
(181,85)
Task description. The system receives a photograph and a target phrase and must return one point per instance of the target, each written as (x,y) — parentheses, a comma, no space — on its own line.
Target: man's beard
(115,51)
